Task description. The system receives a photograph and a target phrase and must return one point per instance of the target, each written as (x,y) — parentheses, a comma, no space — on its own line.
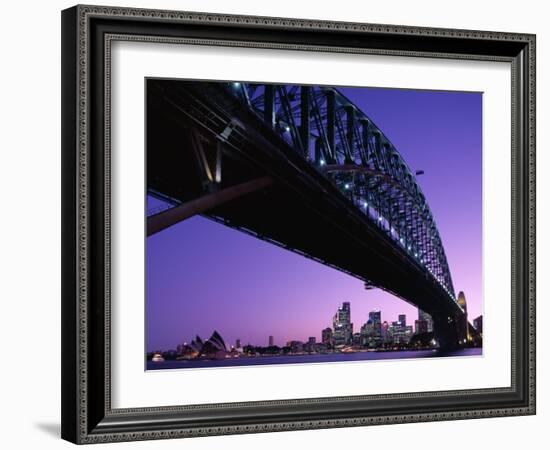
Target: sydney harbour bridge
(305,169)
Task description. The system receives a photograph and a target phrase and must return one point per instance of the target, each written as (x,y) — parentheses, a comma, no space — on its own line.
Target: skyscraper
(341,323)
(326,336)
(270,340)
(376,318)
(403,319)
(385,331)
(367,334)
(478,324)
(310,345)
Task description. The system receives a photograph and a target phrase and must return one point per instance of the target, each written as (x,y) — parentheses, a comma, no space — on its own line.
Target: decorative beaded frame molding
(87,416)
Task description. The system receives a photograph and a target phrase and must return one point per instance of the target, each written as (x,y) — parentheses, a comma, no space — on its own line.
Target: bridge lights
(409,248)
(236,84)
(379,218)
(287,128)
(322,162)
(346,186)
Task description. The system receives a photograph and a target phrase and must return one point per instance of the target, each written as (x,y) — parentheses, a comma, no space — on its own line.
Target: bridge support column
(350,135)
(201,205)
(304,119)
(209,161)
(377,150)
(448,331)
(269,105)
(365,139)
(331,122)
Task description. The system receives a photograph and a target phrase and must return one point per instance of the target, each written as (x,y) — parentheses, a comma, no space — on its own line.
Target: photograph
(282,220)
(311,224)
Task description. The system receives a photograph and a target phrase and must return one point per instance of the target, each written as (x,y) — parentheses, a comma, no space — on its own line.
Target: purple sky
(203,276)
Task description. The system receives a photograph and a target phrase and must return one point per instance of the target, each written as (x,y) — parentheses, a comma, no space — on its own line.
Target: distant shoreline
(362,355)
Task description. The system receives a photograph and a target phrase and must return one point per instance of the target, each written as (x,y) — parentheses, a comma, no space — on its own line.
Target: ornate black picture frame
(87,414)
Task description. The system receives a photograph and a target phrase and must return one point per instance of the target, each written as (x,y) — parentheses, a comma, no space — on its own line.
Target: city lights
(357,219)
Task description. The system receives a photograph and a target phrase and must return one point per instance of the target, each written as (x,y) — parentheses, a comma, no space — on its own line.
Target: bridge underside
(201,142)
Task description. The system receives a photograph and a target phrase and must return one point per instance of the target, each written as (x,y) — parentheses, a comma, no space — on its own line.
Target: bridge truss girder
(338,138)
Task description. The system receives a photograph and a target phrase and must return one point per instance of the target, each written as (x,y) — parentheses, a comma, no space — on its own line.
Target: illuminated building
(402,318)
(326,337)
(376,318)
(400,335)
(310,345)
(367,334)
(478,324)
(295,346)
(343,328)
(385,332)
(214,347)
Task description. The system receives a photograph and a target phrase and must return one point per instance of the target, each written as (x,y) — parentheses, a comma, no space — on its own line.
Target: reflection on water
(314,358)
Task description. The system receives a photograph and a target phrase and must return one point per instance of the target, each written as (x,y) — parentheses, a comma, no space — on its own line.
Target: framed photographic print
(280,224)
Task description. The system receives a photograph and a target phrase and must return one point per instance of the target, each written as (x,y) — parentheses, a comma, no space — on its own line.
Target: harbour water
(310,358)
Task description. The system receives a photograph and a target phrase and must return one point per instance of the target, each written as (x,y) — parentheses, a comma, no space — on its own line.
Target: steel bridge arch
(337,137)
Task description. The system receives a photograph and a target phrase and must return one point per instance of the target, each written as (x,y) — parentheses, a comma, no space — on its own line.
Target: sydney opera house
(212,348)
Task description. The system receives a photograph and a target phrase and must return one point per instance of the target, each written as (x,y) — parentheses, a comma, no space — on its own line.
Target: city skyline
(272,340)
(199,271)
(336,343)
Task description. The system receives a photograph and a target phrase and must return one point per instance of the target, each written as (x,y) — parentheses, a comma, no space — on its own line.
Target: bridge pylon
(449,331)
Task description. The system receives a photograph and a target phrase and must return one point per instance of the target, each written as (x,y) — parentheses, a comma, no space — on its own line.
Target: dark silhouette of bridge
(303,168)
